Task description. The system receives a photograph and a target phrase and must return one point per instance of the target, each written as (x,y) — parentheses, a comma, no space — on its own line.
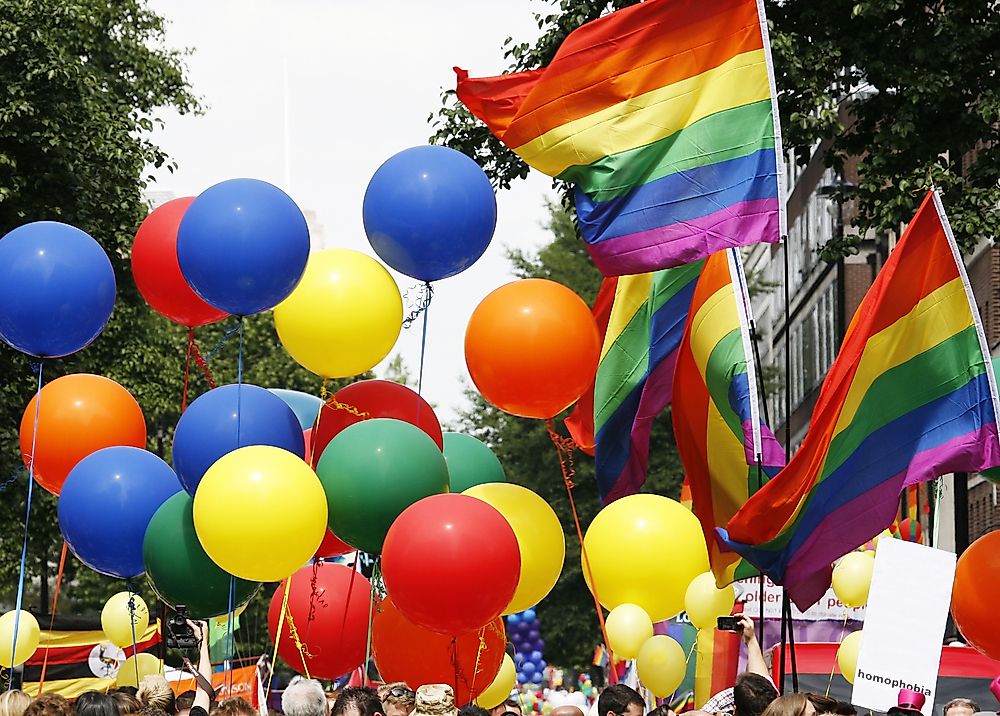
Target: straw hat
(435,700)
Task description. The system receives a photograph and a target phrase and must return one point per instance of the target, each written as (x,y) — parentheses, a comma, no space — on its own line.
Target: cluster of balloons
(529,647)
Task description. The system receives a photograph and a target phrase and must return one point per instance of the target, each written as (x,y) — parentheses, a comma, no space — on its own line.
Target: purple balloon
(533,634)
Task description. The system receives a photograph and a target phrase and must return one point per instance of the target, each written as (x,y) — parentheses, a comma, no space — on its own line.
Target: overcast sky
(362,78)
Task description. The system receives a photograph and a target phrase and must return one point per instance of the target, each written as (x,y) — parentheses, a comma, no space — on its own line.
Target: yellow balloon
(499,689)
(143,663)
(343,317)
(28,635)
(661,665)
(117,619)
(628,627)
(852,578)
(704,602)
(539,537)
(260,513)
(645,550)
(847,655)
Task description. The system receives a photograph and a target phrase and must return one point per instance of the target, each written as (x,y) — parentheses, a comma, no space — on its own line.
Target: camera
(729,624)
(180,635)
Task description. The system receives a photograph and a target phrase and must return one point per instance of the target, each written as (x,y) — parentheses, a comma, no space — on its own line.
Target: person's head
(184,702)
(154,691)
(234,706)
(304,697)
(130,690)
(567,710)
(473,710)
(13,703)
(960,707)
(94,703)
(397,698)
(620,700)
(49,705)
(827,706)
(152,711)
(357,701)
(752,693)
(127,703)
(791,705)
(662,710)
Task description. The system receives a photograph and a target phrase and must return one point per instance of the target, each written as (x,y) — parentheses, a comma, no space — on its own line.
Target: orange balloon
(532,348)
(973,598)
(79,415)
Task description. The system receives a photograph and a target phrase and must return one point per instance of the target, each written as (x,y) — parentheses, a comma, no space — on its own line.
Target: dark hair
(235,706)
(152,711)
(661,710)
(130,690)
(617,698)
(94,703)
(473,710)
(752,694)
(363,699)
(184,700)
(828,705)
(126,702)
(49,705)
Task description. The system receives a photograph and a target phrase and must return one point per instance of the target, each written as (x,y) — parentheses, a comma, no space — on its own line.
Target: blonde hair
(13,703)
(787,705)
(155,691)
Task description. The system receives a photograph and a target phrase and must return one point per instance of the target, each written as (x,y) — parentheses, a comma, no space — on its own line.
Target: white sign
(829,608)
(904,628)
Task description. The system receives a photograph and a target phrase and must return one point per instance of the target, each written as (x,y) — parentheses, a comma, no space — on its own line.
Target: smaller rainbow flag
(664,117)
(910,396)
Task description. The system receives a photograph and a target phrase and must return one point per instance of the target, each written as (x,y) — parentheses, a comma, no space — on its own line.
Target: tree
(907,89)
(568,617)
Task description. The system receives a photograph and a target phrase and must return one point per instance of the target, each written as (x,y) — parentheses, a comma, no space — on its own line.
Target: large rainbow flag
(726,450)
(635,374)
(910,396)
(664,116)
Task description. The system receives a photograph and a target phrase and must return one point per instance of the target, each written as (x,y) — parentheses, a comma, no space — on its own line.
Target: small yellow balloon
(28,636)
(343,317)
(660,665)
(140,665)
(852,578)
(499,689)
(260,513)
(704,602)
(847,655)
(120,622)
(628,627)
(540,539)
(645,550)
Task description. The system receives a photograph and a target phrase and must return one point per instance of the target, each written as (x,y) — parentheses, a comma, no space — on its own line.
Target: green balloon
(178,569)
(470,462)
(372,471)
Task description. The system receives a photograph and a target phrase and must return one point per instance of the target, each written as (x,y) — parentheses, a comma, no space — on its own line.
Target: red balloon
(157,272)
(406,652)
(973,598)
(379,399)
(451,563)
(332,546)
(911,531)
(328,604)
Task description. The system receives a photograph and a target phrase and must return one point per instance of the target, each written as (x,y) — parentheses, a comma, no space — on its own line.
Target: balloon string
(422,303)
(230,648)
(38,367)
(376,575)
(277,635)
(479,653)
(52,619)
(202,362)
(833,667)
(564,449)
(428,295)
(187,368)
(131,621)
(454,660)
(304,653)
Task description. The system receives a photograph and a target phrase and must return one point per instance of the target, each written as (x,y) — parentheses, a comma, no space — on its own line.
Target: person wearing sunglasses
(397,698)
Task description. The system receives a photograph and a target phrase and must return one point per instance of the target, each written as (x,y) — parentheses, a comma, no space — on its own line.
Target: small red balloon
(406,652)
(973,598)
(157,272)
(373,399)
(911,531)
(451,563)
(332,546)
(328,604)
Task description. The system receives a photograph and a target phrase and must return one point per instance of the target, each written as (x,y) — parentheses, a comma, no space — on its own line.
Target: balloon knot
(422,302)
(200,360)
(565,447)
(294,633)
(332,402)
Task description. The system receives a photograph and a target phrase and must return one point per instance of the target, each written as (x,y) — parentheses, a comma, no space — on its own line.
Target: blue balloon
(430,212)
(227,418)
(537,677)
(513,620)
(522,678)
(106,504)
(528,615)
(57,289)
(528,666)
(536,656)
(306,407)
(242,246)
(525,647)
(533,634)
(542,665)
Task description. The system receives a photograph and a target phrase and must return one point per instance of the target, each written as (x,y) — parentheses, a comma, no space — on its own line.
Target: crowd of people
(753,694)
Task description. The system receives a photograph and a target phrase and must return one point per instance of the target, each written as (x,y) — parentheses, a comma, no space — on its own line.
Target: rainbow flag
(635,374)
(663,115)
(910,396)
(720,436)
